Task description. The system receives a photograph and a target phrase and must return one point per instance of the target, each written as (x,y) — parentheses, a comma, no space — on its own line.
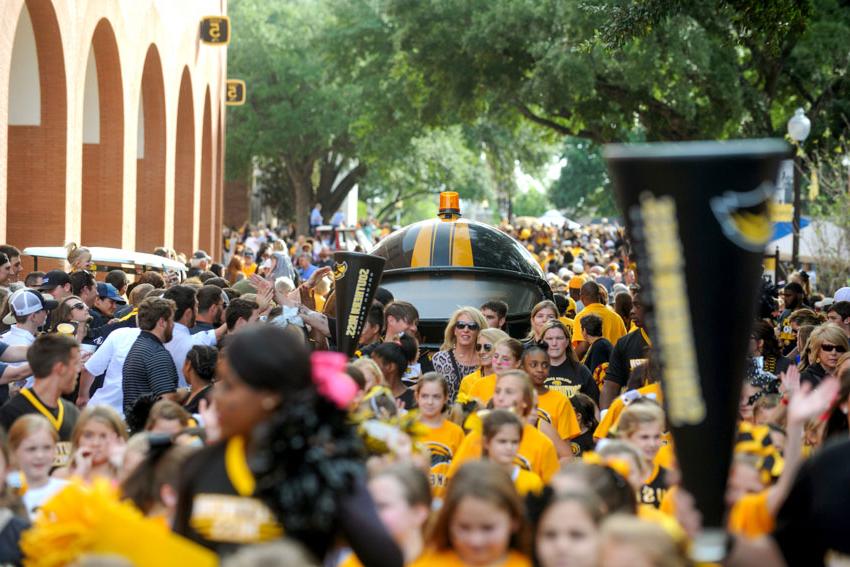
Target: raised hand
(808,403)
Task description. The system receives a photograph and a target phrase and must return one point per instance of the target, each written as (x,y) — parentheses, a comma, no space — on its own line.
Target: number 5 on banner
(215,30)
(235,93)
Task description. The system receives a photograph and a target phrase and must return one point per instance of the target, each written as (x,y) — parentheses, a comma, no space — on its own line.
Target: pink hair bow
(328,369)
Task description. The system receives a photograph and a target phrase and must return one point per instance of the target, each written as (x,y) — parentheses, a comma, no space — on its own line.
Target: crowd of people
(216,405)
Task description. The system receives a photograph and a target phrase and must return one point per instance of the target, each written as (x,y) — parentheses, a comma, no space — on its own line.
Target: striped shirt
(148,369)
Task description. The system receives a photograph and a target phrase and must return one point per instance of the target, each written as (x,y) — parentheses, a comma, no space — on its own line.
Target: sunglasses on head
(487,347)
(464,325)
(830,348)
(78,306)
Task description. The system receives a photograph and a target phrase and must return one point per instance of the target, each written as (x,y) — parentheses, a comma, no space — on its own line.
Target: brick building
(111,124)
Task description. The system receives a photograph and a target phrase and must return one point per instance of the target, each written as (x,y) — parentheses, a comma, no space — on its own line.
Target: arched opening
(103,142)
(37,136)
(208,205)
(184,169)
(150,157)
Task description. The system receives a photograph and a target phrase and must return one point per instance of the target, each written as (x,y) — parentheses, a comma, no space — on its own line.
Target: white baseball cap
(842,294)
(26,302)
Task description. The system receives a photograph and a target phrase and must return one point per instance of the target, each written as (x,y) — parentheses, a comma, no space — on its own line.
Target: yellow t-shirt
(484,389)
(249,269)
(536,453)
(469,381)
(449,558)
(557,409)
(526,481)
(568,323)
(750,516)
(443,443)
(612,324)
(612,416)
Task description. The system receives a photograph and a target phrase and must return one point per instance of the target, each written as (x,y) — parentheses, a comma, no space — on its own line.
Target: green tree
(531,203)
(583,188)
(596,69)
(309,116)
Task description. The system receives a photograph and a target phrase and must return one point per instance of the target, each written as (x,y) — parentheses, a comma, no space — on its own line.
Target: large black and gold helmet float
(444,263)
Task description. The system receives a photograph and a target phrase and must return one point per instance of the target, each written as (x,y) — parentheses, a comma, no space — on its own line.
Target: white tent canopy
(554,217)
(817,240)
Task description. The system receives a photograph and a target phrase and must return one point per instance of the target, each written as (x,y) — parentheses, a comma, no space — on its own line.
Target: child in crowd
(482,521)
(403,498)
(501,434)
(97,445)
(33,440)
(566,532)
(586,414)
(626,541)
(167,417)
(552,407)
(444,437)
(642,424)
(536,451)
(507,355)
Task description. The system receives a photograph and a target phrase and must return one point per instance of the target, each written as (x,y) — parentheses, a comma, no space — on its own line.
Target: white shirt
(182,341)
(17,336)
(35,498)
(109,359)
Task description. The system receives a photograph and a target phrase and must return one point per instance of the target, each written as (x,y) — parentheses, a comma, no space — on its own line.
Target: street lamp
(799,127)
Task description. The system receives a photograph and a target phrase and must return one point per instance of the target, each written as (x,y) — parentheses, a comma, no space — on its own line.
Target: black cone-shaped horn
(356,278)
(697,216)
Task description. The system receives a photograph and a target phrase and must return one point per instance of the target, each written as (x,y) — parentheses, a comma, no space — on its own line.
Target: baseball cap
(842,294)
(53,279)
(200,255)
(26,302)
(108,291)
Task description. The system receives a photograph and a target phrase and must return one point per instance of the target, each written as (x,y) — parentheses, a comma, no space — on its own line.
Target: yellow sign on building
(215,30)
(235,94)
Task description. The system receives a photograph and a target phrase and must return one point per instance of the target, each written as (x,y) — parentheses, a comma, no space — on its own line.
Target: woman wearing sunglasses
(826,345)
(457,356)
(487,339)
(71,318)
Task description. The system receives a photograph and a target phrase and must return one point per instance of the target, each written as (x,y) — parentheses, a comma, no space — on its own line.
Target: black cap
(53,279)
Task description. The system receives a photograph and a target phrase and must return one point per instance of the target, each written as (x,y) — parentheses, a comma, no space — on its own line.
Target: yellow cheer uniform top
(63,418)
(449,558)
(612,324)
(468,381)
(556,409)
(612,416)
(654,487)
(750,516)
(216,506)
(526,481)
(443,443)
(484,389)
(536,453)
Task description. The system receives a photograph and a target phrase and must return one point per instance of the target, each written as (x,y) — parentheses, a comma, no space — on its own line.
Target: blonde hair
(101,414)
(76,253)
(27,425)
(368,365)
(493,335)
(648,538)
(828,332)
(614,447)
(449,336)
(637,414)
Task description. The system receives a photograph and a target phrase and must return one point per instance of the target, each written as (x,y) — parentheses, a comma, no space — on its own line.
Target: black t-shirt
(408,398)
(599,352)
(815,518)
(630,351)
(193,405)
(813,375)
(570,378)
(582,444)
(19,405)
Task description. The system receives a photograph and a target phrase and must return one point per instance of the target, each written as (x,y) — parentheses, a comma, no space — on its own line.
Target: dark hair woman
(288,460)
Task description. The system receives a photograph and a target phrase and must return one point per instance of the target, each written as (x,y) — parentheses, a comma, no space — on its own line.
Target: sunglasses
(78,306)
(464,325)
(485,347)
(830,348)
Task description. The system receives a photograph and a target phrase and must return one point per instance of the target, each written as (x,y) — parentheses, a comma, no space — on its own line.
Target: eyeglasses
(464,325)
(78,306)
(830,348)
(485,347)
